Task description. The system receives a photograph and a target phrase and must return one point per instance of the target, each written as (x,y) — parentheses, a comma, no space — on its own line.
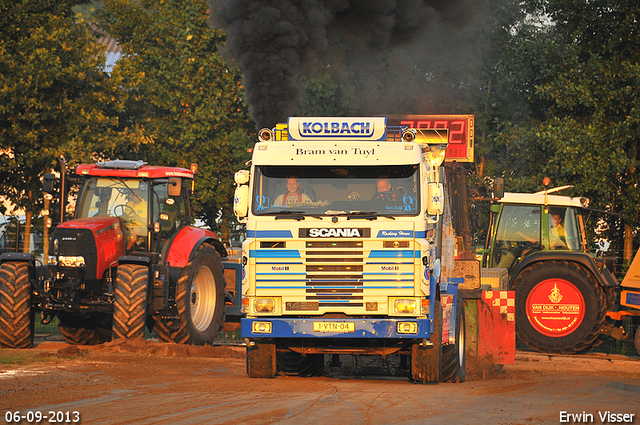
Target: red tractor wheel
(130,301)
(79,329)
(560,308)
(16,317)
(199,301)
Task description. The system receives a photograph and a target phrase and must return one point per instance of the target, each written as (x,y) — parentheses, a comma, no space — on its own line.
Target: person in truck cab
(384,191)
(294,194)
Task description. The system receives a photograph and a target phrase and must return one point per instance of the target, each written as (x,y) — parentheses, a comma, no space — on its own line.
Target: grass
(12,357)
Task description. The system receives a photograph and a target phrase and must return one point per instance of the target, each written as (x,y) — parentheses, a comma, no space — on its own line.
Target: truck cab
(348,248)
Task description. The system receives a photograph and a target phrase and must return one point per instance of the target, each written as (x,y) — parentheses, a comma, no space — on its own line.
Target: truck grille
(336,274)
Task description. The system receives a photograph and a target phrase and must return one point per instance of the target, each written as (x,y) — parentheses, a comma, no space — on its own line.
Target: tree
(178,89)
(587,88)
(53,95)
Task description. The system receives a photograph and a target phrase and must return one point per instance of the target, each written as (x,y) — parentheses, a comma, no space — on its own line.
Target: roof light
(265,135)
(409,135)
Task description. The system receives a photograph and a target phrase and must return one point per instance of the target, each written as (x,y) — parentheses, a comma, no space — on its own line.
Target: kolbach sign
(460,148)
(321,128)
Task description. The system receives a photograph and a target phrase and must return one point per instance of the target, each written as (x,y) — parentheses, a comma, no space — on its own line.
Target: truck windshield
(335,190)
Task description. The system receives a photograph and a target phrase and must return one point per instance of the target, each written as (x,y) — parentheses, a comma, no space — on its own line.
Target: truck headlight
(261,327)
(264,305)
(405,306)
(407,328)
(71,261)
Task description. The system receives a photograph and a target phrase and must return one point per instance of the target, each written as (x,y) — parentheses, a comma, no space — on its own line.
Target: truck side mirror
(47,182)
(241,201)
(435,202)
(175,187)
(498,187)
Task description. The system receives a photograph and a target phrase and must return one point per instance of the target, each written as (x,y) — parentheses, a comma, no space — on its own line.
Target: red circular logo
(555,307)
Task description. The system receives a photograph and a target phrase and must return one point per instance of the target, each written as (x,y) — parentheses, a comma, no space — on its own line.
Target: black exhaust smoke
(270,40)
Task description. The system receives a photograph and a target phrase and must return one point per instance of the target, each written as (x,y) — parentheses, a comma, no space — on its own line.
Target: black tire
(610,296)
(261,359)
(199,301)
(426,362)
(295,364)
(582,295)
(80,329)
(130,301)
(16,316)
(454,361)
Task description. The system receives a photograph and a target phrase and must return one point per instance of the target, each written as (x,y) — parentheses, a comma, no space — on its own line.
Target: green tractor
(565,298)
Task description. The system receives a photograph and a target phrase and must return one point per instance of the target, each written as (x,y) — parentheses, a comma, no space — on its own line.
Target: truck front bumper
(383,328)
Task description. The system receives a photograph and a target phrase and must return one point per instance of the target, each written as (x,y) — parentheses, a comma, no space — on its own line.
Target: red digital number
(457,131)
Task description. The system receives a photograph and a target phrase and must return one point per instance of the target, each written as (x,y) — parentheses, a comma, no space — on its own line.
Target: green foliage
(177,89)
(54,97)
(586,90)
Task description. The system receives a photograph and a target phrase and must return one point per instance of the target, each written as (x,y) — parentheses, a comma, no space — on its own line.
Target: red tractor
(129,259)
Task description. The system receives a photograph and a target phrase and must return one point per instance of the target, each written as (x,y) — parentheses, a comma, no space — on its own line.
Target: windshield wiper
(366,215)
(290,215)
(295,215)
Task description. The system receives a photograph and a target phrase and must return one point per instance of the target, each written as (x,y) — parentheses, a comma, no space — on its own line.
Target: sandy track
(149,383)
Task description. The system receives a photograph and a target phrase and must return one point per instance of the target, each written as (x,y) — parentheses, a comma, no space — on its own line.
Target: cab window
(517,234)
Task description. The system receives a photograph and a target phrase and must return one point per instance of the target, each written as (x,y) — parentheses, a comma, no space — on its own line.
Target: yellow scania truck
(350,250)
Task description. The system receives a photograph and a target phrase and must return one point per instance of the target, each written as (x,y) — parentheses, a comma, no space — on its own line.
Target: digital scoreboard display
(460,128)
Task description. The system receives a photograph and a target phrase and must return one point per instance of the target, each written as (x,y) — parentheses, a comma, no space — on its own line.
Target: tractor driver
(557,234)
(137,218)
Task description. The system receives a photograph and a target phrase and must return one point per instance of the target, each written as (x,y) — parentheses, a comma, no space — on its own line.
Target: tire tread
(16,317)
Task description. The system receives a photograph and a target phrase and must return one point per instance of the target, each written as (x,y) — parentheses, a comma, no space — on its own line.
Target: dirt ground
(146,382)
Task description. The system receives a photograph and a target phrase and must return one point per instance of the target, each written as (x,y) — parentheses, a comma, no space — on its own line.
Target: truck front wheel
(426,360)
(454,362)
(199,301)
(130,301)
(16,317)
(261,359)
(560,309)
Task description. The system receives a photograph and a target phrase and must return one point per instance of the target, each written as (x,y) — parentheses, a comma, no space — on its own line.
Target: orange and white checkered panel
(503,302)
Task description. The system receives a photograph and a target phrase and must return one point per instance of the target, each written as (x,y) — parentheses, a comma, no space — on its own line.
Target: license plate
(342,327)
